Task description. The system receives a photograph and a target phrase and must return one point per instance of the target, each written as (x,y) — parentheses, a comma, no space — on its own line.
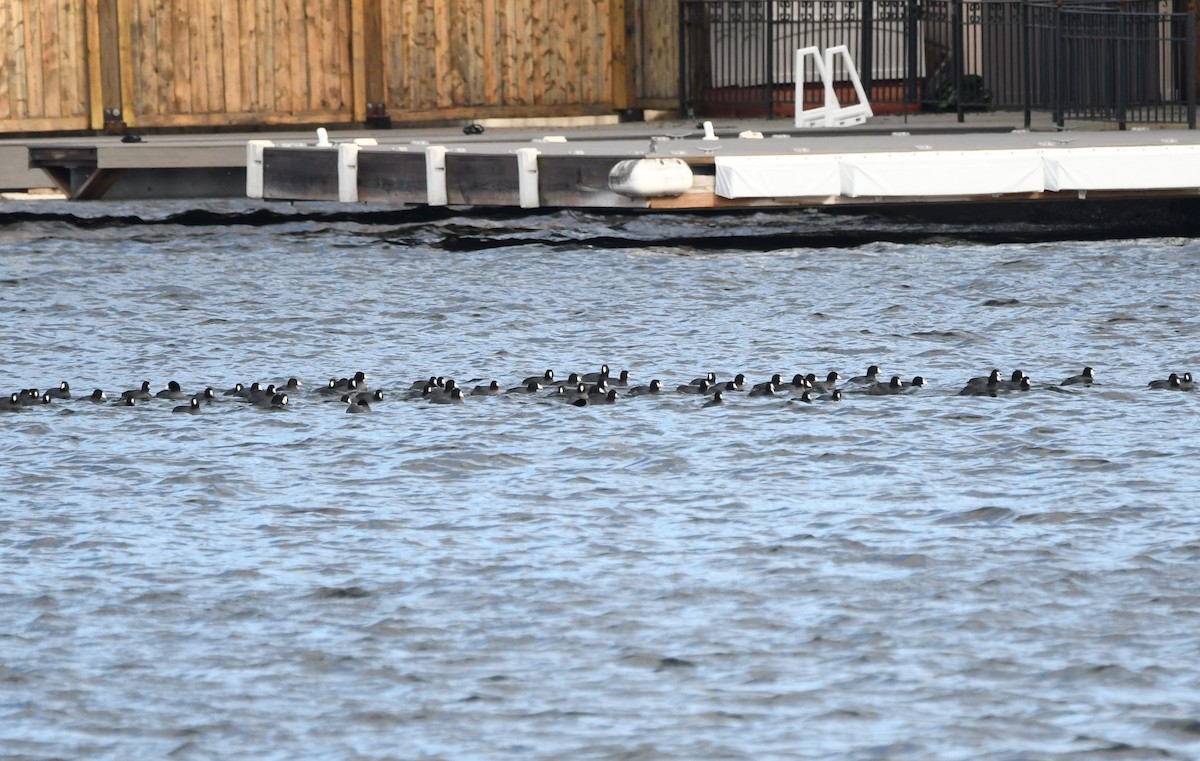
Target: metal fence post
(957,32)
(682,59)
(910,43)
(1026,64)
(770,97)
(1060,74)
(1190,67)
(1120,66)
(866,63)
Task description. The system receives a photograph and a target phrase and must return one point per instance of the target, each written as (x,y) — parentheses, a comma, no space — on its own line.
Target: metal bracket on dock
(435,175)
(527,177)
(348,172)
(254,167)
(75,170)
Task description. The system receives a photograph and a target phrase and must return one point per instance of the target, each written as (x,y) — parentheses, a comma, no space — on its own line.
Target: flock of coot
(580,390)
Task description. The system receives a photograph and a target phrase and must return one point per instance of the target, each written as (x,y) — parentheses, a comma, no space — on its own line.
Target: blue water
(898,577)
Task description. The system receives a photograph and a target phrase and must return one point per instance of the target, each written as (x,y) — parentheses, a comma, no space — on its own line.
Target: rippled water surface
(898,577)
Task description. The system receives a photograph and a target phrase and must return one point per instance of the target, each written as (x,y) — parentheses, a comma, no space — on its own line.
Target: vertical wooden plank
(332,77)
(283,57)
(547,60)
(214,62)
(463,42)
(232,41)
(424,59)
(32,106)
(592,63)
(50,51)
(109,95)
(617,62)
(95,82)
(465,47)
(8,41)
(316,72)
(528,41)
(571,30)
(71,51)
(199,59)
(400,94)
(265,63)
(119,57)
(491,80)
(444,64)
(295,84)
(77,87)
(658,54)
(362,50)
(169,40)
(515,70)
(125,53)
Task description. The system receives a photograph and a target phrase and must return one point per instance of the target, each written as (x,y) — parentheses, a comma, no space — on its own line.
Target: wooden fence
(109,64)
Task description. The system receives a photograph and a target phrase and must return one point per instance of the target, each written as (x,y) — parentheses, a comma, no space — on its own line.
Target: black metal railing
(1121,61)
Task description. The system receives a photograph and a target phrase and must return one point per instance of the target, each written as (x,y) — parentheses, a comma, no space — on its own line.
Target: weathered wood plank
(232,38)
(32,101)
(445,76)
(335,92)
(489,54)
(180,42)
(95,84)
(534,88)
(48,47)
(657,54)
(9,72)
(309,88)
(199,55)
(126,60)
(618,59)
(365,38)
(470,54)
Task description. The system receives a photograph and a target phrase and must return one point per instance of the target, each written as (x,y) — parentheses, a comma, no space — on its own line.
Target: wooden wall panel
(44,76)
(233,62)
(656,31)
(480,58)
(85,64)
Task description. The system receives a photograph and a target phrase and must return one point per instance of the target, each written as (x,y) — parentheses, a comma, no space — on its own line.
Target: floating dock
(692,172)
(649,166)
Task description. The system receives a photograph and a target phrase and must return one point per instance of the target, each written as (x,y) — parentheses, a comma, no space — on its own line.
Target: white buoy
(650,178)
(323,138)
(709,134)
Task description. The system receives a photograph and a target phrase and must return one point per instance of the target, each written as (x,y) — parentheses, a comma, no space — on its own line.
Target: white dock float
(931,175)
(941,173)
(1129,168)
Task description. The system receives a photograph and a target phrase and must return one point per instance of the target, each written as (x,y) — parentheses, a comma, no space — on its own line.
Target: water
(912,577)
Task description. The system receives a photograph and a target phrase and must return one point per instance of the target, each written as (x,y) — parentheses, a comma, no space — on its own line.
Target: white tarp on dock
(942,173)
(794,176)
(1126,168)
